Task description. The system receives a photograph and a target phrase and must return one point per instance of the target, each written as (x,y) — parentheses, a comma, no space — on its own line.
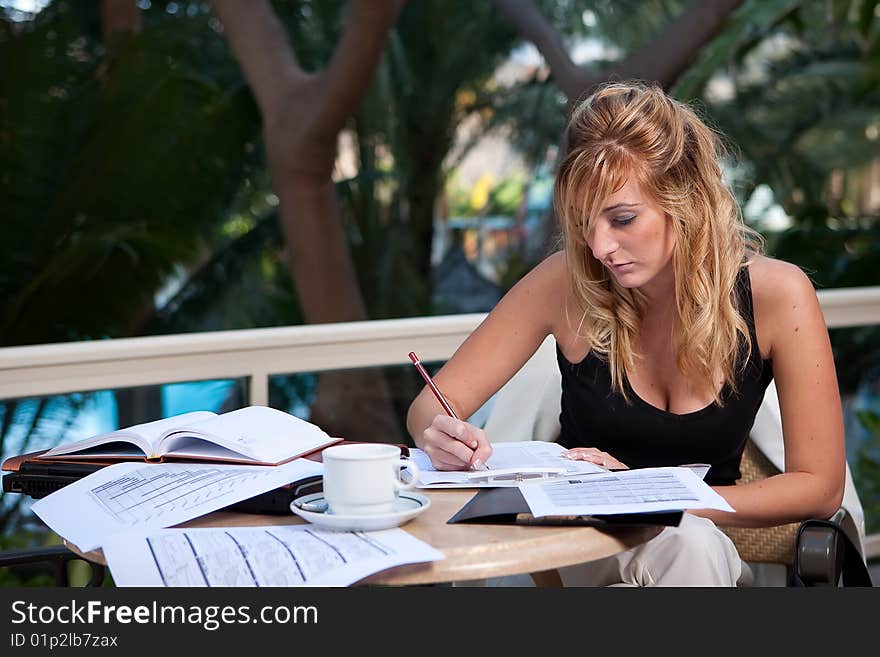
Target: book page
(282,555)
(263,434)
(144,436)
(531,459)
(186,447)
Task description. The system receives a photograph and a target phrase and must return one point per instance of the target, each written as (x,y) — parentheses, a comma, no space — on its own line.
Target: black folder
(507,506)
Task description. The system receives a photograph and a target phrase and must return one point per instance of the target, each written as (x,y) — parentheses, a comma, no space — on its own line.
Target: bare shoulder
(784,299)
(506,338)
(532,303)
(548,280)
(537,298)
(552,270)
(775,281)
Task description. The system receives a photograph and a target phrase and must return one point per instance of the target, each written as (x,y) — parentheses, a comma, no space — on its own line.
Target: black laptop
(36,479)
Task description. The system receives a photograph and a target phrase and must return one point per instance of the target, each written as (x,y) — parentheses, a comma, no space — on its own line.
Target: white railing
(257,354)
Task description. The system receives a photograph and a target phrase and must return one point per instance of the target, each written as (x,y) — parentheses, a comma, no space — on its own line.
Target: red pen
(440,398)
(427,377)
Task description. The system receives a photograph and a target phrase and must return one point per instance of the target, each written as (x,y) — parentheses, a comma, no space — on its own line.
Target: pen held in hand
(427,377)
(447,407)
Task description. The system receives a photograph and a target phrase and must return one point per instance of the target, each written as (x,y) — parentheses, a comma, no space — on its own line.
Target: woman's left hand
(597,456)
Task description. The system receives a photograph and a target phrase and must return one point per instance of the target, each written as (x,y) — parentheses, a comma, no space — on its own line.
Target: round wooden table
(473,551)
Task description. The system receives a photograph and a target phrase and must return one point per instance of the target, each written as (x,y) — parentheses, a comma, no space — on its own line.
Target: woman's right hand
(454,444)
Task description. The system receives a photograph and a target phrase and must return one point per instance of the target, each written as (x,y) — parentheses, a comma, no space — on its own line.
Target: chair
(528,406)
(819,556)
(55,558)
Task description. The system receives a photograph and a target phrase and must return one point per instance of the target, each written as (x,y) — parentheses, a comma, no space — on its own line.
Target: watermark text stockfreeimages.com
(210,617)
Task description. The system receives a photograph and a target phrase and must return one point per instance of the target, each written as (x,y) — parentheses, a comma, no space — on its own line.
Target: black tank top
(642,435)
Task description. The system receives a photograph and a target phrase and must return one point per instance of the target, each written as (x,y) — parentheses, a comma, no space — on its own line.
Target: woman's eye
(623,221)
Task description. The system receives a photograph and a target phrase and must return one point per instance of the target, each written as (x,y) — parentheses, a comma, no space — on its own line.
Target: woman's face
(633,239)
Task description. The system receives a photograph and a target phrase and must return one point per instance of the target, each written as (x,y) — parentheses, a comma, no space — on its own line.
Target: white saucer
(407,507)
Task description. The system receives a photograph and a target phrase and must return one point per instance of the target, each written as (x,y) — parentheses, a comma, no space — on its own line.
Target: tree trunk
(119,17)
(303,114)
(662,60)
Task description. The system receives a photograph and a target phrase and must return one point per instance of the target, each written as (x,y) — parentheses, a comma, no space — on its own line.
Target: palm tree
(118,162)
(117,165)
(794,86)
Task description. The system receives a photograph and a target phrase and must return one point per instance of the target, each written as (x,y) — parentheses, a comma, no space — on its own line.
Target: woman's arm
(790,323)
(489,357)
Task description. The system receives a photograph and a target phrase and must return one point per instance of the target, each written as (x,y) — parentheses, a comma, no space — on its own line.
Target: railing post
(258,390)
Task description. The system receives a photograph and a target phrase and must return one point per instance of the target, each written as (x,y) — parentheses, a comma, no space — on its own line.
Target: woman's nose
(601,243)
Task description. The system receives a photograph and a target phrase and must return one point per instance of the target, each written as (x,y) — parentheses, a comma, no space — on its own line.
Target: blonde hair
(633,129)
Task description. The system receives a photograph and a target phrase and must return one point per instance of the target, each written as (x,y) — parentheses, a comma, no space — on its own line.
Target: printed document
(129,496)
(283,555)
(624,491)
(510,464)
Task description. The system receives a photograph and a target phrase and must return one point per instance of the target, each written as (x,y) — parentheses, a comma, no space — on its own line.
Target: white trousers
(696,553)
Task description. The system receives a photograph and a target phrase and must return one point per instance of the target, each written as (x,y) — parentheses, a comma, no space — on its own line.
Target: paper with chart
(282,555)
(129,496)
(624,491)
(510,463)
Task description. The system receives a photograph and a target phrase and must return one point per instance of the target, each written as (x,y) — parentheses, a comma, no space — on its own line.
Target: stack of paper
(125,508)
(282,555)
(137,496)
(625,491)
(510,464)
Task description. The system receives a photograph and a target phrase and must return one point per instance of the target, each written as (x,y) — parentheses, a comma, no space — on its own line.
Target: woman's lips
(621,268)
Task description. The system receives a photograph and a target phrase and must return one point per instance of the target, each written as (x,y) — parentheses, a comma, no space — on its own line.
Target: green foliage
(314,27)
(512,269)
(506,197)
(751,23)
(788,88)
(242,284)
(458,198)
(116,167)
(532,114)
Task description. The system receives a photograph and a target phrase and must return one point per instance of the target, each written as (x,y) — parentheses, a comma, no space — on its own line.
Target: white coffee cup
(364,479)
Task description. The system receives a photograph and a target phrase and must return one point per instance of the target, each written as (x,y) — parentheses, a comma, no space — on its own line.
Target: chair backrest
(528,407)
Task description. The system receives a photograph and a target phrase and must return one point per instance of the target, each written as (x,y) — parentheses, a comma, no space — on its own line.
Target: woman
(669,326)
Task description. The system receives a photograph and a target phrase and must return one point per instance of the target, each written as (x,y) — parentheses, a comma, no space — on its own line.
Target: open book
(256,435)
